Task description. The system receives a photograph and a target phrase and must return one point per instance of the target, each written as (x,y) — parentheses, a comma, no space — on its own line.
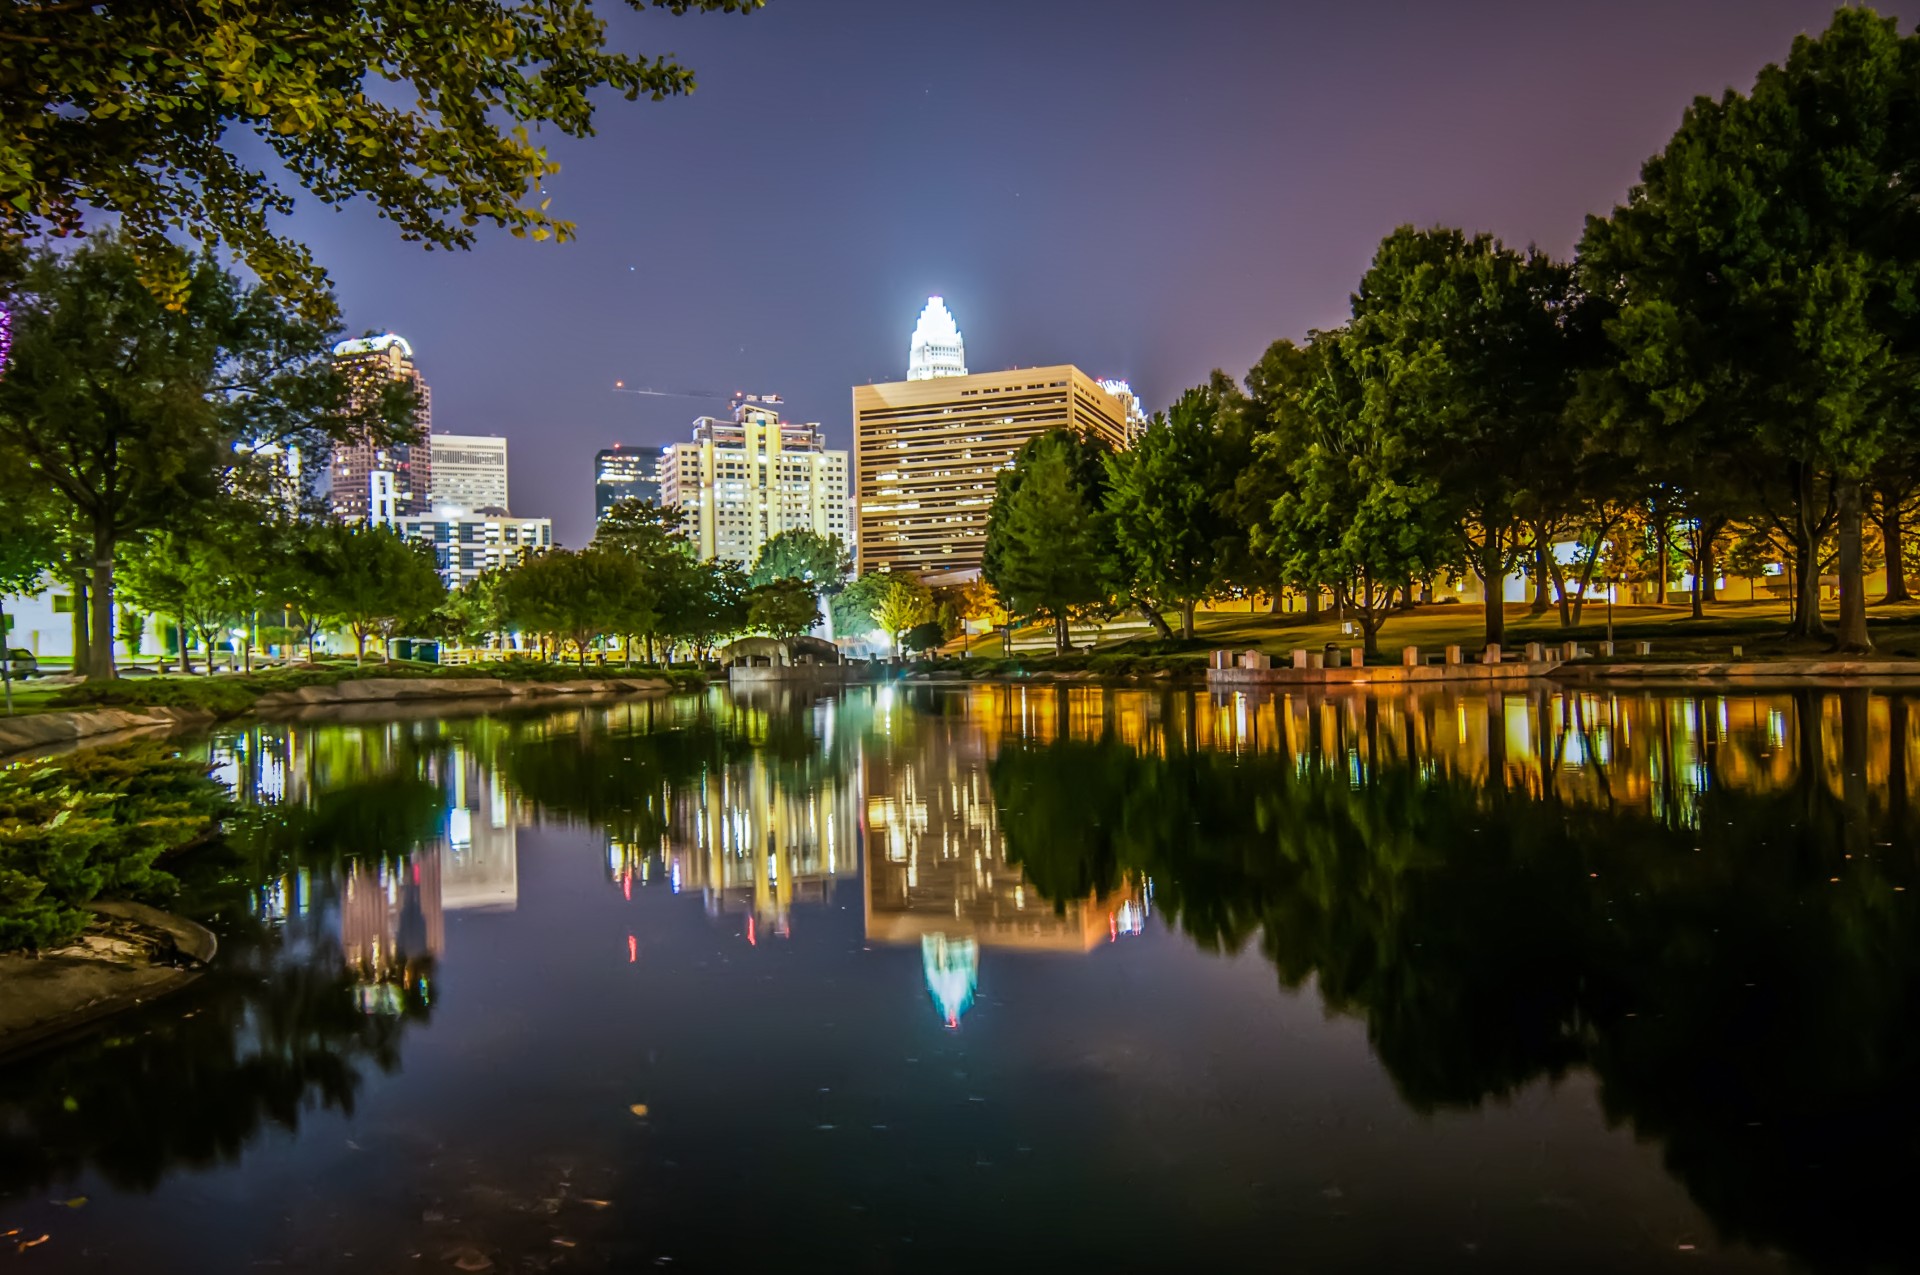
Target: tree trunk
(359,648)
(1852,635)
(1559,574)
(1060,637)
(1698,538)
(1806,552)
(1662,546)
(1542,601)
(1313,600)
(180,635)
(100,630)
(1158,621)
(1273,601)
(1894,538)
(1186,619)
(82,654)
(1491,581)
(1708,565)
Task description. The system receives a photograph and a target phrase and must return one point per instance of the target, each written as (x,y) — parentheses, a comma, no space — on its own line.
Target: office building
(357,492)
(464,545)
(622,472)
(1130,403)
(936,348)
(743,481)
(927,451)
(470,473)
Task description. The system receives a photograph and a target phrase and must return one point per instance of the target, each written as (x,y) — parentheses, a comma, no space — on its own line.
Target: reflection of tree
(1734,999)
(267,1039)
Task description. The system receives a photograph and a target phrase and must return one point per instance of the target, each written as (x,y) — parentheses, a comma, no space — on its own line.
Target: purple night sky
(1148,190)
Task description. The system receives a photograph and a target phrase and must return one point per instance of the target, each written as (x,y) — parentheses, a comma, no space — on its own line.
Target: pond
(1023,977)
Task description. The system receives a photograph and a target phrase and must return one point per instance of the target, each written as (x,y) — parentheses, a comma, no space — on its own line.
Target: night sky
(1147,189)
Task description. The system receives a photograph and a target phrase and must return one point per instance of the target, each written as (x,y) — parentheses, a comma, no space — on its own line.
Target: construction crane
(621,387)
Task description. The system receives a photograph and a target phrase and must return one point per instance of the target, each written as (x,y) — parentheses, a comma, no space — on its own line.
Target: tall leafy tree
(904,604)
(1764,276)
(135,412)
(161,113)
(1049,551)
(1345,512)
(1461,350)
(376,583)
(1166,501)
(821,561)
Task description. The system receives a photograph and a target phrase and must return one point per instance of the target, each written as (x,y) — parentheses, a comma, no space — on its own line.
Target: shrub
(90,823)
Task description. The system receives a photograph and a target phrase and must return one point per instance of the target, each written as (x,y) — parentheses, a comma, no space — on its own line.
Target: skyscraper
(369,480)
(470,473)
(622,472)
(936,348)
(927,451)
(741,482)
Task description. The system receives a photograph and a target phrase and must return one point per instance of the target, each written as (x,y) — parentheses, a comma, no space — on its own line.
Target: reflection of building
(480,867)
(936,862)
(470,473)
(740,483)
(622,473)
(927,452)
(378,481)
(952,969)
(392,927)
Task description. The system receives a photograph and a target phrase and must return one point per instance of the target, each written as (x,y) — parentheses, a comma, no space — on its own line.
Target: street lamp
(1610,591)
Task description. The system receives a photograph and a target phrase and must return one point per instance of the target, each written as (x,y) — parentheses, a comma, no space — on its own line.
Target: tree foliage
(426,111)
(1049,551)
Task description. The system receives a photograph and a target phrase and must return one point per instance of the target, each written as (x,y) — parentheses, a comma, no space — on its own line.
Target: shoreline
(52,997)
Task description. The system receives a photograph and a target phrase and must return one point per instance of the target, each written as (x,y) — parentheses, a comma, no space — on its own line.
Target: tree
(571,597)
(1166,502)
(134,412)
(854,607)
(654,539)
(783,607)
(821,561)
(132,109)
(376,583)
(1762,273)
(1344,511)
(904,604)
(1465,369)
(27,550)
(706,602)
(1049,551)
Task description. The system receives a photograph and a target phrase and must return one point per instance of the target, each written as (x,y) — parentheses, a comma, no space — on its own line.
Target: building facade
(464,545)
(743,481)
(927,452)
(352,472)
(621,472)
(469,473)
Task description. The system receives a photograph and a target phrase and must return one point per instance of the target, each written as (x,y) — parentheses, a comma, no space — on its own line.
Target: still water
(995,978)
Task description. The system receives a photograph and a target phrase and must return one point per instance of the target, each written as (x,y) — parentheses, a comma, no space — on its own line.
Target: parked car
(22,663)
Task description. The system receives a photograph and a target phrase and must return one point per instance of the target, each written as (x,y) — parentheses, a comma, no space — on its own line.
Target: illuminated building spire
(937,349)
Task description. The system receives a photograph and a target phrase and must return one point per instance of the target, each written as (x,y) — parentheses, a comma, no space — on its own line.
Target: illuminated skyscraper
(469,473)
(622,473)
(358,490)
(741,482)
(936,348)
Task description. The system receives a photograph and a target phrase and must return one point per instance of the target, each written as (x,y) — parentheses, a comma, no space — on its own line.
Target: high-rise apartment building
(357,491)
(1130,402)
(926,452)
(741,482)
(621,472)
(469,473)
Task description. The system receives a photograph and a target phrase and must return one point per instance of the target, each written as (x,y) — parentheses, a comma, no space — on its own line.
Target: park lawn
(1759,628)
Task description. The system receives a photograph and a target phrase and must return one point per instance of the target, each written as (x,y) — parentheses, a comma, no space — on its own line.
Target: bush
(90,823)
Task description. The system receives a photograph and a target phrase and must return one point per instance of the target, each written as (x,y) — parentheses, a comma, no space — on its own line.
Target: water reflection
(1701,901)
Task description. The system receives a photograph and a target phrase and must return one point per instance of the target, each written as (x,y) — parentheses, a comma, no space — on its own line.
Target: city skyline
(1075,236)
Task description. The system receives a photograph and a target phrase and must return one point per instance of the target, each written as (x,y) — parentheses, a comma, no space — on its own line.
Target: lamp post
(1610,589)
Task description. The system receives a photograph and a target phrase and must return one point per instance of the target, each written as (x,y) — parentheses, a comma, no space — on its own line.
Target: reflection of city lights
(751,940)
(1129,919)
(633,949)
(952,969)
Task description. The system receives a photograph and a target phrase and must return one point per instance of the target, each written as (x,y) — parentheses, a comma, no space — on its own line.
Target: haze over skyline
(1144,191)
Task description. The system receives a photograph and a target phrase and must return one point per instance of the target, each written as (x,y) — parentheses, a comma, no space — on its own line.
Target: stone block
(1410,656)
(1643,648)
(1357,657)
(1453,655)
(1536,653)
(1300,658)
(1492,655)
(1315,659)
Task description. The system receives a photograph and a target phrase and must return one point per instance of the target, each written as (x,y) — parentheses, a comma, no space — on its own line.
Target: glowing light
(751,940)
(633,949)
(937,348)
(373,345)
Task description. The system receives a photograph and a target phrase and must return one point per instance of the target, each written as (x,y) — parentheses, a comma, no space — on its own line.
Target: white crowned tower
(937,349)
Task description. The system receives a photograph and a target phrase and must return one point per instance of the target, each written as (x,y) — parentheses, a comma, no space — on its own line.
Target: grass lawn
(1758,627)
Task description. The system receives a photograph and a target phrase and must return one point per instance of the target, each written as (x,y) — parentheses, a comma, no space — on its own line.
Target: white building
(936,348)
(1136,415)
(464,545)
(741,482)
(470,473)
